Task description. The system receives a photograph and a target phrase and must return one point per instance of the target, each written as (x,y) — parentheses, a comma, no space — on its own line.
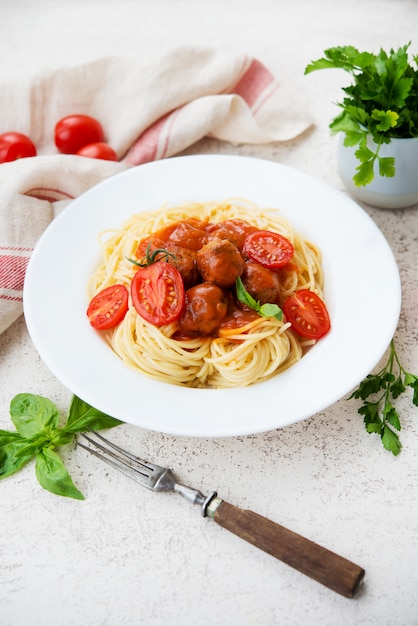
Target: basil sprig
(265,310)
(38,434)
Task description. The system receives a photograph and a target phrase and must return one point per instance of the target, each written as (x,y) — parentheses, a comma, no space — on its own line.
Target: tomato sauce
(210,257)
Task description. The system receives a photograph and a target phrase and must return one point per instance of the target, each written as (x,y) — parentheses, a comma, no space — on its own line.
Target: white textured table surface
(126,556)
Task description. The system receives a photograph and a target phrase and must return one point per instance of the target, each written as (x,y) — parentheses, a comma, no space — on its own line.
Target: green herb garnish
(381,103)
(265,310)
(379,413)
(38,434)
(159,254)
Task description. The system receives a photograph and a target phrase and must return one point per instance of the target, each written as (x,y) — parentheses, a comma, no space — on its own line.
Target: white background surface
(126,556)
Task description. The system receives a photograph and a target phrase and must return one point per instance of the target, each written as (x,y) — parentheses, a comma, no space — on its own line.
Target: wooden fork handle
(329,569)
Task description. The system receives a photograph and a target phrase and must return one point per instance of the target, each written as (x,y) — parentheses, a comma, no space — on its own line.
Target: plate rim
(238,396)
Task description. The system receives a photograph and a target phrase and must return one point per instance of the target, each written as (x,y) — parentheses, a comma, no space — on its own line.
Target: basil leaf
(33,415)
(82,416)
(265,310)
(271,310)
(60,437)
(53,476)
(244,297)
(13,455)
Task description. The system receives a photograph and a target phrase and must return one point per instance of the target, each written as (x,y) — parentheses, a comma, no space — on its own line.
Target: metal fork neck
(195,497)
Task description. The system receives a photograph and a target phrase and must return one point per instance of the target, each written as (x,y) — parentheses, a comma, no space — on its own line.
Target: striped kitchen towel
(149,109)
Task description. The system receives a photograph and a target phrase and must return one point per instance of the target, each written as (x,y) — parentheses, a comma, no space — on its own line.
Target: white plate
(362,291)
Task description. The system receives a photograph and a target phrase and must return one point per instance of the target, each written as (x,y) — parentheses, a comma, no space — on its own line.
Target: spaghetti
(241,356)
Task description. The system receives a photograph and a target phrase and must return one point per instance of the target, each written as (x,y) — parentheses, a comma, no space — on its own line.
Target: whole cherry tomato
(76,131)
(98,150)
(15,146)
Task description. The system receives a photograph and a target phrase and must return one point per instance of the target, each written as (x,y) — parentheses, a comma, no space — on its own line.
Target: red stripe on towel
(12,271)
(170,119)
(253,82)
(145,147)
(48,194)
(255,87)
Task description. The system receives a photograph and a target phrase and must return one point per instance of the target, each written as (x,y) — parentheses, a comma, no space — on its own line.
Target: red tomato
(308,314)
(98,150)
(158,293)
(268,249)
(75,131)
(108,307)
(15,146)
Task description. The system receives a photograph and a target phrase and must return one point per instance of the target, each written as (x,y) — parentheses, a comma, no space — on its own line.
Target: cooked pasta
(236,357)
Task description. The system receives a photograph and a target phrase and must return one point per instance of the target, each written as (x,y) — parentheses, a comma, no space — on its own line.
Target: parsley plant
(378,392)
(381,103)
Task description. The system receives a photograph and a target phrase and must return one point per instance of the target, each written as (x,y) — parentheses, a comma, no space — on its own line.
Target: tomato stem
(153,257)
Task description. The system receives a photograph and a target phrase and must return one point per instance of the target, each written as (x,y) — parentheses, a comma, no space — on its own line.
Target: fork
(326,567)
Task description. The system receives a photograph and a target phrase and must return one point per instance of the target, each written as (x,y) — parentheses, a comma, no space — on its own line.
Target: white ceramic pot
(386,193)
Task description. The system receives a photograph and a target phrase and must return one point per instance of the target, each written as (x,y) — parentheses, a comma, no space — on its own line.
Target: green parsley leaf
(397,387)
(380,102)
(365,173)
(378,392)
(385,119)
(391,441)
(412,381)
(363,153)
(387,166)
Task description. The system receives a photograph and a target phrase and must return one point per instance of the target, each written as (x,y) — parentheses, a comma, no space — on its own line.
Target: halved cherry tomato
(108,307)
(268,249)
(15,146)
(158,293)
(98,150)
(75,131)
(308,314)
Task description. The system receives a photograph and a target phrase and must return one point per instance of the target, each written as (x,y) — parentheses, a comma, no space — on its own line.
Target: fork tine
(148,474)
(131,466)
(147,466)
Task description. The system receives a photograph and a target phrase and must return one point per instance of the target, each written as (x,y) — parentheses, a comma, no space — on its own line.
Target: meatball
(220,262)
(189,234)
(234,230)
(263,284)
(184,260)
(205,307)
